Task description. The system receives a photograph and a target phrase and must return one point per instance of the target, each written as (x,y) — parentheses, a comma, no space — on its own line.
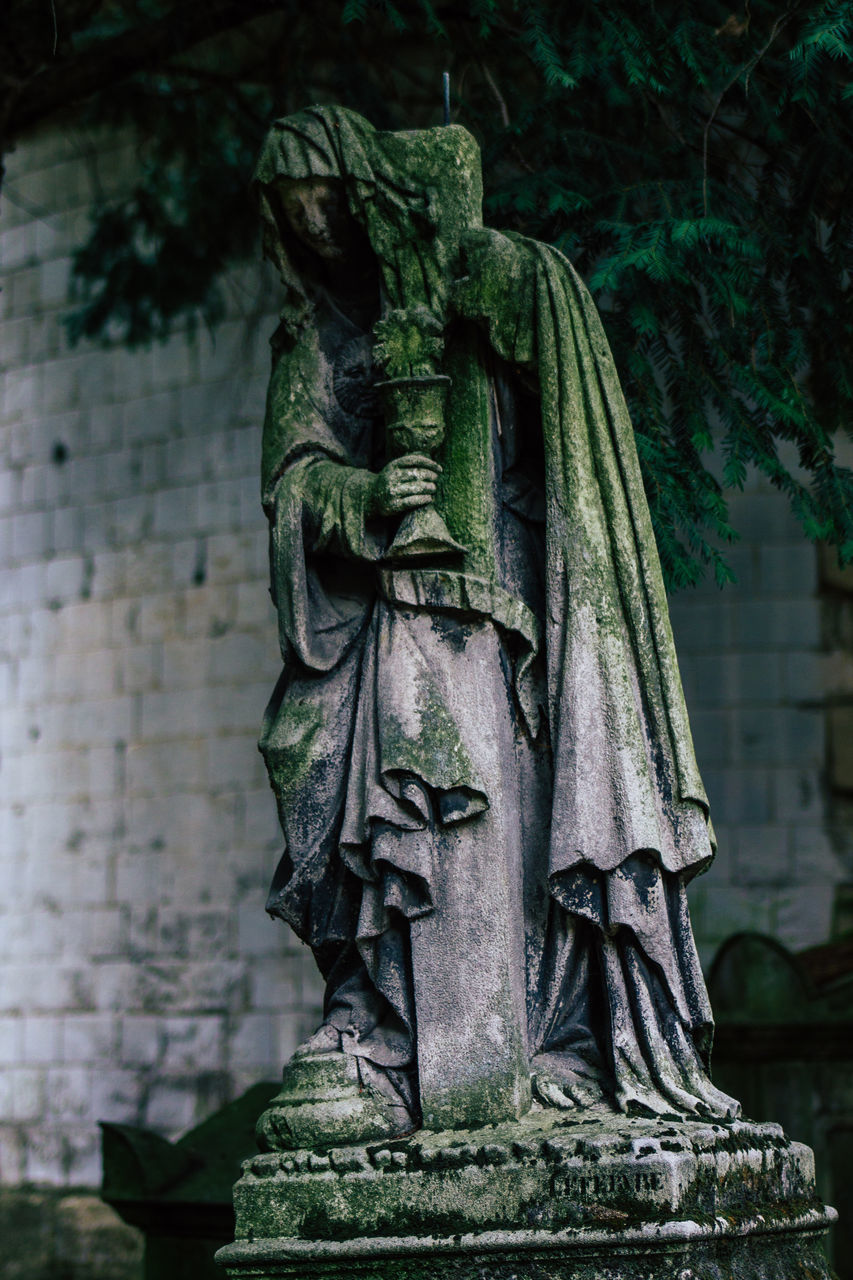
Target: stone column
(468,954)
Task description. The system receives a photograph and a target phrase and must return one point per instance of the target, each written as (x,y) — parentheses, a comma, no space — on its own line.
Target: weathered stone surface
(322,1102)
(696,1253)
(544,1172)
(548,1198)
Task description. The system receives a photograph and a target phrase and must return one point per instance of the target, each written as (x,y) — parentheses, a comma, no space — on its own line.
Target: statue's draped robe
(371,751)
(629,814)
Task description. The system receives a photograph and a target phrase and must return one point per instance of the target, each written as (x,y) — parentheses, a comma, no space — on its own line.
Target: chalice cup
(414,415)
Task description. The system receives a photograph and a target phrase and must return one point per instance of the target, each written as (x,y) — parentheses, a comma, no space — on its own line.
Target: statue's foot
(567,1081)
(330,1099)
(326,1039)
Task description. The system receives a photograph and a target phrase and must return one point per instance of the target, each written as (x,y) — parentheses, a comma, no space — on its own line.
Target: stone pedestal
(550,1197)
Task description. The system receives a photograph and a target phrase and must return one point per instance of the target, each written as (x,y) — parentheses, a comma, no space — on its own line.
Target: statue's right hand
(402,485)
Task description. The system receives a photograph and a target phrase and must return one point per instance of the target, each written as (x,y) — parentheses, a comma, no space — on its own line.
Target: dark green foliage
(157,255)
(695,164)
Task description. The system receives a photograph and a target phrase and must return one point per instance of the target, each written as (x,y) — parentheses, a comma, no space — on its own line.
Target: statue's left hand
(402,485)
(481,289)
(497,291)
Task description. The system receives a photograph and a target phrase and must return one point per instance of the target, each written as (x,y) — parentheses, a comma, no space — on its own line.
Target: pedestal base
(756,1256)
(548,1198)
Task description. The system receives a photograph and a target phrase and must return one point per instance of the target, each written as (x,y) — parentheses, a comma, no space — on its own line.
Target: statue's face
(317,212)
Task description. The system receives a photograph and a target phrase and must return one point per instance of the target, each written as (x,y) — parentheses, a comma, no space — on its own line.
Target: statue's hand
(497,291)
(486,258)
(402,485)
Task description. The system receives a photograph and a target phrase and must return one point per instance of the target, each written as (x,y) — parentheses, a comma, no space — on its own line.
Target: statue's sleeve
(317,504)
(306,473)
(328,502)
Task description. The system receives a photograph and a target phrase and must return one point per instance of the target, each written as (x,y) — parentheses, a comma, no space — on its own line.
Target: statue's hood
(412,193)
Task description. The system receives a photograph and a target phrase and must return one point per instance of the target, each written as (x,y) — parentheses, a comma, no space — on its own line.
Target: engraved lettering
(597,1186)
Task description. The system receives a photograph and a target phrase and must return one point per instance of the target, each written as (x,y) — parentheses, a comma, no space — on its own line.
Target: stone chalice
(414,401)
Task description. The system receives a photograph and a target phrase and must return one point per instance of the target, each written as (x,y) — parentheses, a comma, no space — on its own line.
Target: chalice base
(423,535)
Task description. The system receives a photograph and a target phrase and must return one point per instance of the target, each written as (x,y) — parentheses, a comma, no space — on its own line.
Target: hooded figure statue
(479,745)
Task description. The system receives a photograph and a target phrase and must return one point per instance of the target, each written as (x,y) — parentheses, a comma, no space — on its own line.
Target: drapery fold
(625,772)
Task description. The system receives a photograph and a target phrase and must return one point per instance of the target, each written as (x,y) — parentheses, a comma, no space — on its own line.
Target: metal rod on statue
(446,81)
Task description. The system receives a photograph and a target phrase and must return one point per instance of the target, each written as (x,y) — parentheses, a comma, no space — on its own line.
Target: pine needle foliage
(694,163)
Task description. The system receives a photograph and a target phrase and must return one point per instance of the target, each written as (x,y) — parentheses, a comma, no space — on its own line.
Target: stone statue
(484,772)
(479,745)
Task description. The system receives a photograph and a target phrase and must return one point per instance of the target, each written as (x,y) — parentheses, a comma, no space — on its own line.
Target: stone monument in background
(483,767)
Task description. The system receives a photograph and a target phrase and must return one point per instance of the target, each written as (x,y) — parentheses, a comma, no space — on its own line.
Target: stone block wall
(141,981)
(755,668)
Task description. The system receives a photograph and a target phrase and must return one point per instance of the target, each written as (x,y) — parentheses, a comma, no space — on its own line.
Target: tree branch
(748,67)
(114,59)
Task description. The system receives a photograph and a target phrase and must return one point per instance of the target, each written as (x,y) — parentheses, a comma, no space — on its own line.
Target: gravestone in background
(483,767)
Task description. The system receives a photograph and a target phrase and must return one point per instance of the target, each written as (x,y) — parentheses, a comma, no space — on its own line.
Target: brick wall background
(758,677)
(141,980)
